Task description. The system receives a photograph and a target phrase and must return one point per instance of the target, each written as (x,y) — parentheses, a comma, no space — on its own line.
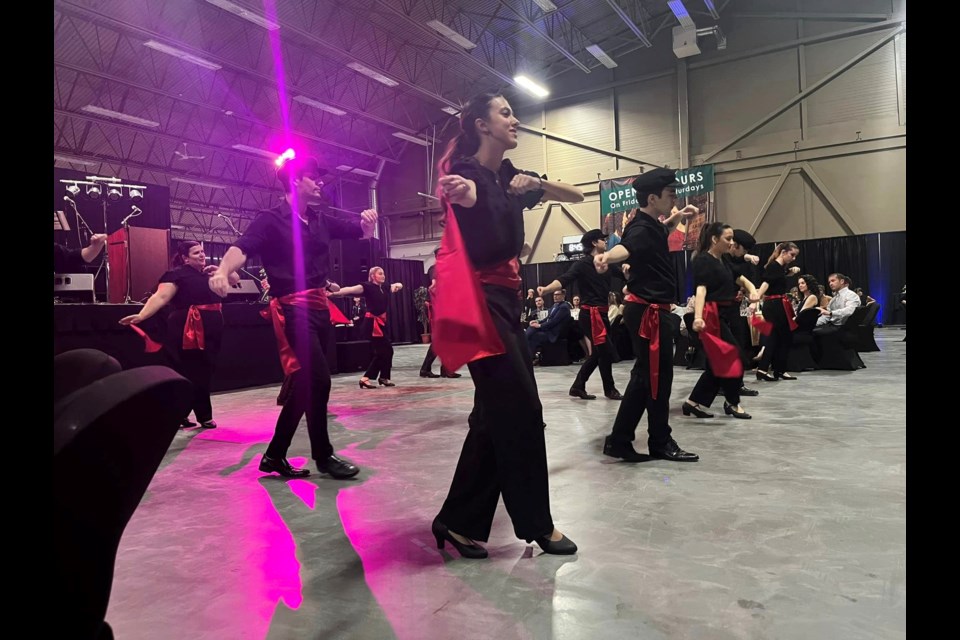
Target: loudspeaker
(350,260)
(243,291)
(142,257)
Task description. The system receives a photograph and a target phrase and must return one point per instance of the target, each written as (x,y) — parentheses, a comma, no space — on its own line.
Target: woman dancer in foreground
(477,322)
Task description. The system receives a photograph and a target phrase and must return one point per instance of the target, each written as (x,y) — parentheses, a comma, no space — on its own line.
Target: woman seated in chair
(811,293)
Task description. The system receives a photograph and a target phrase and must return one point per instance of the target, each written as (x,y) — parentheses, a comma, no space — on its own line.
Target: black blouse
(716,276)
(492,229)
(377,297)
(775,275)
(192,287)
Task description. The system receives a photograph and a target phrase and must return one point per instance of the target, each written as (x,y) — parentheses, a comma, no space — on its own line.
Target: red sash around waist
(650,330)
(598,330)
(310,299)
(193,335)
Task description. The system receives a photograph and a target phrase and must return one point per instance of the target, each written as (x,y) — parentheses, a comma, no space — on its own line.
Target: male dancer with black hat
(594,296)
(293,239)
(744,264)
(652,290)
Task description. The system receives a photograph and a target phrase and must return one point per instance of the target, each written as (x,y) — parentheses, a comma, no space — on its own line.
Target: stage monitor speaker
(243,291)
(350,260)
(143,256)
(73,287)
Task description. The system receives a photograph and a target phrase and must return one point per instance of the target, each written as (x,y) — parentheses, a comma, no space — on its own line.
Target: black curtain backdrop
(890,279)
(402,314)
(876,262)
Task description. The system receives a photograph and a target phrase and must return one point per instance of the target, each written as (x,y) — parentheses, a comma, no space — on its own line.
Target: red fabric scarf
(463,329)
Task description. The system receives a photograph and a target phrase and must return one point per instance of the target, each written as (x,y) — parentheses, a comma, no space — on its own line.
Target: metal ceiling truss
(554,28)
(492,55)
(246,69)
(206,124)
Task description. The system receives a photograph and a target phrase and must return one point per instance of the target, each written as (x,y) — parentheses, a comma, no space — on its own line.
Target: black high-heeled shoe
(442,534)
(785,376)
(385,383)
(562,547)
(689,409)
(367,385)
(729,410)
(765,376)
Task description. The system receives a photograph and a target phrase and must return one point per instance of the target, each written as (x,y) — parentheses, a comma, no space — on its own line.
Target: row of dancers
(476,306)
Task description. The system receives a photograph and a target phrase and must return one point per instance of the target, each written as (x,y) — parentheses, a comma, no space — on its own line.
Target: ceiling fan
(185,156)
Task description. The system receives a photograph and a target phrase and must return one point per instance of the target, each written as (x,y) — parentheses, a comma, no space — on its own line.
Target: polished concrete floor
(792,525)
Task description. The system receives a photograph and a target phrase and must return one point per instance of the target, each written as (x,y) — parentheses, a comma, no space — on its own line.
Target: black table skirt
(248,357)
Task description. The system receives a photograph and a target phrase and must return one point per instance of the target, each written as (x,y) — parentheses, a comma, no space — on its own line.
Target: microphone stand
(135,211)
(90,234)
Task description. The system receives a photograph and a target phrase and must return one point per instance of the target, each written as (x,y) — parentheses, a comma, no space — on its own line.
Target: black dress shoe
(442,534)
(451,374)
(281,466)
(365,384)
(785,376)
(209,424)
(582,394)
(688,409)
(429,374)
(622,450)
(383,382)
(337,467)
(745,391)
(672,451)
(186,424)
(730,411)
(765,376)
(613,394)
(562,547)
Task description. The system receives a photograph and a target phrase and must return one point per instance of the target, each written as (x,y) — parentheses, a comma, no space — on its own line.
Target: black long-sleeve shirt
(594,287)
(492,229)
(271,236)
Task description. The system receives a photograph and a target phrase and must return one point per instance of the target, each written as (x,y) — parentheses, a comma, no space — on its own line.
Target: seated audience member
(577,335)
(547,331)
(865,299)
(841,307)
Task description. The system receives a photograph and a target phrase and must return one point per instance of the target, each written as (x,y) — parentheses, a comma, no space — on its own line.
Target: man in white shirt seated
(841,307)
